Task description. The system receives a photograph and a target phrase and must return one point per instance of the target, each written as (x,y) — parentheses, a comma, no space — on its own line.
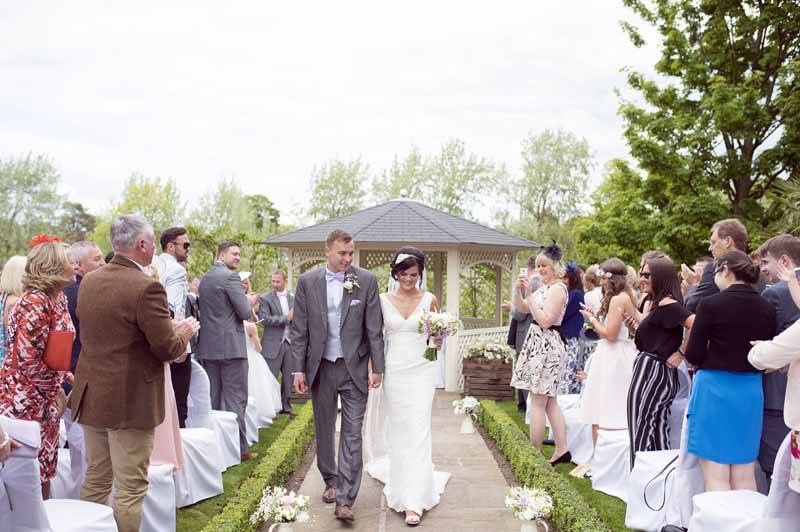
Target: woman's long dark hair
(573,276)
(415,258)
(617,282)
(663,280)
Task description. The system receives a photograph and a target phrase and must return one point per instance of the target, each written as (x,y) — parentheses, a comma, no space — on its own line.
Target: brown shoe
(329,495)
(344,513)
(249,455)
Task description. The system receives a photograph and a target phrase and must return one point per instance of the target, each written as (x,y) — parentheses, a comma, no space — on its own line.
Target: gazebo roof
(404,221)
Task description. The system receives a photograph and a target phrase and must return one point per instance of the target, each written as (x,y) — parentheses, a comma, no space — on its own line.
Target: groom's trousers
(333,381)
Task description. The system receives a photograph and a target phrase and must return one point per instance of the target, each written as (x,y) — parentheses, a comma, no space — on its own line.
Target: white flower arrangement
(467,406)
(491,351)
(438,324)
(278,506)
(350,282)
(529,504)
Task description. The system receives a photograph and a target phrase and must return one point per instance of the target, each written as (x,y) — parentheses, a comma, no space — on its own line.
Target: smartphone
(523,272)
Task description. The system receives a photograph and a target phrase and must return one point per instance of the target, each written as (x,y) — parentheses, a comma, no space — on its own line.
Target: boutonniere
(351,282)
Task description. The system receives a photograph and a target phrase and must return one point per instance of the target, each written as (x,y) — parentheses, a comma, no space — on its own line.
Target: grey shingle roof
(400,221)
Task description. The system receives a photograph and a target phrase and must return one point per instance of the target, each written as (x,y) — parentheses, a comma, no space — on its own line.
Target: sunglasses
(186,245)
(645,275)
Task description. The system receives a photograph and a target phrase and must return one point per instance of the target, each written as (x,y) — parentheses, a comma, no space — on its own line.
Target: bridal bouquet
(438,324)
(491,351)
(467,406)
(529,504)
(279,506)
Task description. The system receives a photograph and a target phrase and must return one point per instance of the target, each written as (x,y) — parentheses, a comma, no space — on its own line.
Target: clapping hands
(786,274)
(186,328)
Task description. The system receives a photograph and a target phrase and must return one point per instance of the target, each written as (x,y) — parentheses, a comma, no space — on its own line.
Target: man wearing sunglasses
(175,247)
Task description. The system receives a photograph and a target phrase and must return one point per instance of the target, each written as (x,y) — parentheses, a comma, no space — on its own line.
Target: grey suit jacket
(361,326)
(223,308)
(787,313)
(524,321)
(275,322)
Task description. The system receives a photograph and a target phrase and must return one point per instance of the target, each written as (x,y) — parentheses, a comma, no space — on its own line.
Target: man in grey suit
(782,250)
(336,331)
(276,311)
(221,348)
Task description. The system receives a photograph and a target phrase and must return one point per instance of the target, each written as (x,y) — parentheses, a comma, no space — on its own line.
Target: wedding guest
(571,327)
(591,284)
(10,290)
(608,380)
(194,284)
(175,247)
(86,257)
(276,311)
(779,251)
(517,332)
(690,278)
(726,235)
(192,306)
(222,348)
(538,366)
(29,389)
(633,281)
(661,343)
(118,397)
(726,407)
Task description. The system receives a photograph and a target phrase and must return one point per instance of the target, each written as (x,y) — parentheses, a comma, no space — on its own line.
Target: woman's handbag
(58,350)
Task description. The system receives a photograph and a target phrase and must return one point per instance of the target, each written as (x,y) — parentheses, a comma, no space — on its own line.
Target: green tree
(728,120)
(225,207)
(28,198)
(338,188)
(75,222)
(403,179)
(157,199)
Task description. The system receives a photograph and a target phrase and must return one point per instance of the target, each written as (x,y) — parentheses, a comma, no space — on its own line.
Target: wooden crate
(488,379)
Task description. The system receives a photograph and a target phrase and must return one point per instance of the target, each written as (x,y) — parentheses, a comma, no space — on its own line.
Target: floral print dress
(29,390)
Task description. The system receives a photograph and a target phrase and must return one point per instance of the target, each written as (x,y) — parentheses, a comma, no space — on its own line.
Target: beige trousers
(119,458)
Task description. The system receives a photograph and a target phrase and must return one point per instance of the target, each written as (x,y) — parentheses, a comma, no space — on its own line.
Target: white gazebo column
(498,293)
(452,364)
(290,268)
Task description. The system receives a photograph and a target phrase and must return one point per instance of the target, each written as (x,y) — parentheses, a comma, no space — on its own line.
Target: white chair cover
(611,464)
(63,486)
(251,421)
(652,476)
(158,512)
(201,475)
(79,516)
(687,482)
(200,415)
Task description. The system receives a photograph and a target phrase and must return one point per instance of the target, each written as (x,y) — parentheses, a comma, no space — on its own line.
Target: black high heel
(563,459)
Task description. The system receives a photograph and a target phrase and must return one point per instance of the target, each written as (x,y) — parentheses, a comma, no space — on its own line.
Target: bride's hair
(405,258)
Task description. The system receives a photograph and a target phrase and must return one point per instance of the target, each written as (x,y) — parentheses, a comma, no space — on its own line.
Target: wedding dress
(262,386)
(397,439)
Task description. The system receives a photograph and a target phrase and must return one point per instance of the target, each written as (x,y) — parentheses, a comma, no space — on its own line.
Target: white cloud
(265,91)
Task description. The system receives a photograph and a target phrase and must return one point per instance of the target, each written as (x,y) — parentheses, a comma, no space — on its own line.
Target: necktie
(338,276)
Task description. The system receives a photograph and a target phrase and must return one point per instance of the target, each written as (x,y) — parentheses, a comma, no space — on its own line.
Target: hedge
(282,459)
(571,512)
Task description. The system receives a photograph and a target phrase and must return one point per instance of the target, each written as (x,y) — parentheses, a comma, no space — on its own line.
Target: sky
(264,91)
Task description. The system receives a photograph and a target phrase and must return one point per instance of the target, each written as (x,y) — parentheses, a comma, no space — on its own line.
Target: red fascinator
(43,238)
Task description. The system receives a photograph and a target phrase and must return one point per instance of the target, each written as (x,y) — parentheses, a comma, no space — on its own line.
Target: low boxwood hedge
(282,459)
(571,512)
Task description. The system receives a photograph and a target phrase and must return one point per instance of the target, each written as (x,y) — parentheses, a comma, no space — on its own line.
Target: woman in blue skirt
(726,407)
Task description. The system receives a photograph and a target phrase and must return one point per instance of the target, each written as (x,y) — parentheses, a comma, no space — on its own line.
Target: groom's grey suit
(335,365)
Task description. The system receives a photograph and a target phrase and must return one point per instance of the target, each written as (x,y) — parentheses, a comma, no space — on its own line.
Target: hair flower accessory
(401,257)
(571,266)
(43,238)
(603,273)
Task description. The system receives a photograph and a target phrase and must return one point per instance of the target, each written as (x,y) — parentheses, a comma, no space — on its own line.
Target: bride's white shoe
(412,518)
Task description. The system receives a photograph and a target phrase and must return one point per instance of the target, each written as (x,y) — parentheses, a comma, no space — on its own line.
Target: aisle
(472,502)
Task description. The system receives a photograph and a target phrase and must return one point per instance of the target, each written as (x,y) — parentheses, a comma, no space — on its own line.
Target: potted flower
(467,407)
(487,366)
(281,508)
(490,350)
(530,505)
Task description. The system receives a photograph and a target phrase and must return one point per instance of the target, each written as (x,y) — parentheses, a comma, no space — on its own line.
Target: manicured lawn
(610,509)
(195,517)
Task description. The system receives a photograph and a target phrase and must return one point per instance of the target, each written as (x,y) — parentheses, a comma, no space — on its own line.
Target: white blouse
(776,353)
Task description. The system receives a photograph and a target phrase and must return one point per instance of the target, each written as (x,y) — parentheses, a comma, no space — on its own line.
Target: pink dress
(167,448)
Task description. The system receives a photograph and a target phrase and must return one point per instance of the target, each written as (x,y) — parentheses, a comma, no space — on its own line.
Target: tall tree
(728,121)
(28,198)
(75,222)
(157,199)
(338,188)
(403,179)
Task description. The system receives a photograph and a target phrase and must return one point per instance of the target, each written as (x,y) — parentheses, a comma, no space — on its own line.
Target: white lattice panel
(499,258)
(466,338)
(373,259)
(303,259)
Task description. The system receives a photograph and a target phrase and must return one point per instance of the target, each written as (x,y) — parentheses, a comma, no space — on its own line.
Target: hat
(244,275)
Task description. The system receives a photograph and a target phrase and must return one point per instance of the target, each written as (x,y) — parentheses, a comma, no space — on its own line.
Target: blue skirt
(725,416)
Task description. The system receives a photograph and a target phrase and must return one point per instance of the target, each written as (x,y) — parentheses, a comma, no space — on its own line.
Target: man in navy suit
(779,250)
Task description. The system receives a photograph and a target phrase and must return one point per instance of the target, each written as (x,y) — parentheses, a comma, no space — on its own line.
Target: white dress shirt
(283,297)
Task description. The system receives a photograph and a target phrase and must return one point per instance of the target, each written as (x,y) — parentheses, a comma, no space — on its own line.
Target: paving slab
(473,500)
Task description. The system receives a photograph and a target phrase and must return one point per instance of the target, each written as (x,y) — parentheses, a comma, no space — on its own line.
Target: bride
(398,427)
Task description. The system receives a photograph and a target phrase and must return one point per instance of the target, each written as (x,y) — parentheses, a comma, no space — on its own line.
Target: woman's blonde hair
(559,270)
(11,278)
(45,267)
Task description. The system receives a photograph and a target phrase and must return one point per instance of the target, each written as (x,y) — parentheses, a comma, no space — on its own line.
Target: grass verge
(571,511)
(280,448)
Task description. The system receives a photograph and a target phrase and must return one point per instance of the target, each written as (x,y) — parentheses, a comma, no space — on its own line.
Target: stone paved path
(472,502)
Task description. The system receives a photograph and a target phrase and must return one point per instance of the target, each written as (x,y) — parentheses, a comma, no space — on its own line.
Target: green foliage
(28,198)
(157,200)
(570,513)
(281,460)
(75,222)
(727,123)
(338,188)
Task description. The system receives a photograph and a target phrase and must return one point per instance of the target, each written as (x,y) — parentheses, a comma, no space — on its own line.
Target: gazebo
(452,247)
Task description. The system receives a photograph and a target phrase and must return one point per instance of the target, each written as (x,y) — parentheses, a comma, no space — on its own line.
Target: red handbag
(57,351)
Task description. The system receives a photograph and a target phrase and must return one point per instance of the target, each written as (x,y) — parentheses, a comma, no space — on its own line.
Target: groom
(335,331)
